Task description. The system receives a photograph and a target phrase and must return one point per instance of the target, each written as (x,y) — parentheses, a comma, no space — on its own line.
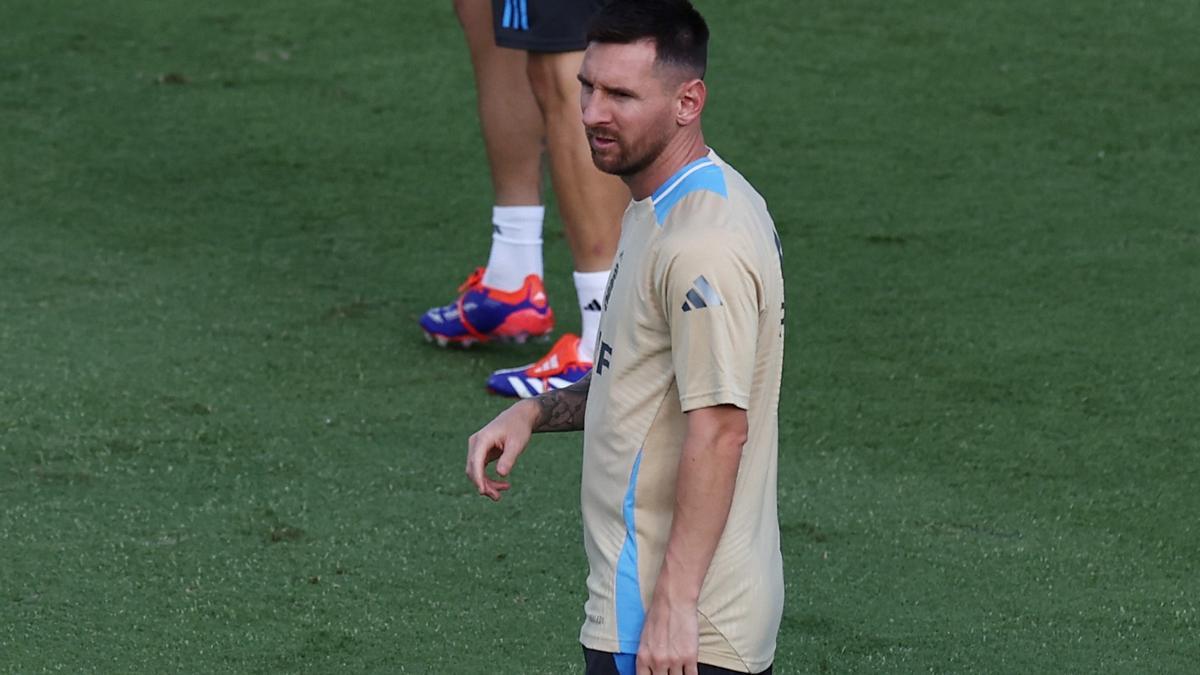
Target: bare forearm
(703,496)
(563,409)
(704,488)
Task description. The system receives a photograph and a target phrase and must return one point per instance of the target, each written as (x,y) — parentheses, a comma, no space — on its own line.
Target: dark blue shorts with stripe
(543,25)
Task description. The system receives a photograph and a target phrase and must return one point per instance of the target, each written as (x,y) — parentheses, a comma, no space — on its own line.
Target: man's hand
(503,439)
(670,639)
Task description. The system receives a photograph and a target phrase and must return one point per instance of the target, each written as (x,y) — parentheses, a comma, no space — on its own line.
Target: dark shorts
(543,25)
(604,663)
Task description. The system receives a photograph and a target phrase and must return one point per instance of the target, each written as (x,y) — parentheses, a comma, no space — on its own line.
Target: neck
(684,149)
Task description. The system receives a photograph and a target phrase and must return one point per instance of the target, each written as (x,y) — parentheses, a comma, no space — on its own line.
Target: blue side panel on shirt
(707,177)
(630,612)
(626,663)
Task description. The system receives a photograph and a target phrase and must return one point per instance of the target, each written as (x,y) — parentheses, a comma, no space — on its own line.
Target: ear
(689,102)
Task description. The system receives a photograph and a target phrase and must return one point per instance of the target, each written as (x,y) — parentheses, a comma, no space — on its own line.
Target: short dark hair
(679,32)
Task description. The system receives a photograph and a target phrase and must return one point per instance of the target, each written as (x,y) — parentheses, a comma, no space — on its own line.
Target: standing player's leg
(590,202)
(503,300)
(508,113)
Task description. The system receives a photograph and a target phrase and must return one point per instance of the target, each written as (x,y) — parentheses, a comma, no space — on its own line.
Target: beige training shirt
(693,317)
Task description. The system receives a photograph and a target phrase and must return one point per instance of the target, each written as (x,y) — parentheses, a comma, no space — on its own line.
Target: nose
(593,108)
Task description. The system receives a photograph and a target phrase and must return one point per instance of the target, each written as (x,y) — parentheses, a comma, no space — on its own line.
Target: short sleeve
(711,295)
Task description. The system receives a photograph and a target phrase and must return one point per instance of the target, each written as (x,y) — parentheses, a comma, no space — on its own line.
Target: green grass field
(224,446)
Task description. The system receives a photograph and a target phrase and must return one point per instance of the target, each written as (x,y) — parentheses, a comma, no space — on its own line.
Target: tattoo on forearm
(563,409)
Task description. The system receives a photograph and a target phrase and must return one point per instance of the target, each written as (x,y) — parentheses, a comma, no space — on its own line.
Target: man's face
(628,106)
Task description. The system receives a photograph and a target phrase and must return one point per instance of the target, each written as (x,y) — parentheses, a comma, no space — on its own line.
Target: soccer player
(526,54)
(679,413)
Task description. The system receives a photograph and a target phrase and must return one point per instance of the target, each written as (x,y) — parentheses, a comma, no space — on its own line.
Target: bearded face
(628,106)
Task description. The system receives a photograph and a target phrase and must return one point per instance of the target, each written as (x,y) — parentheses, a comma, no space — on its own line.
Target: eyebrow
(612,90)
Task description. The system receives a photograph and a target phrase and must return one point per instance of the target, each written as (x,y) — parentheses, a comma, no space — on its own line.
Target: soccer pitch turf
(224,446)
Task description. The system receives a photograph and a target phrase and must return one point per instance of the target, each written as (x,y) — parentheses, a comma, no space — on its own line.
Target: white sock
(516,246)
(590,287)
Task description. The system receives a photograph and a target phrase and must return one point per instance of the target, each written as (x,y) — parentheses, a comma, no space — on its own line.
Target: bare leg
(508,113)
(590,202)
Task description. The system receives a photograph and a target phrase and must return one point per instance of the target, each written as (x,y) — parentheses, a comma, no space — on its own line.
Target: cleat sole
(444,341)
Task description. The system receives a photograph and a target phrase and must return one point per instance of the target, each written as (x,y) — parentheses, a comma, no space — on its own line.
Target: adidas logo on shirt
(593,306)
(701,295)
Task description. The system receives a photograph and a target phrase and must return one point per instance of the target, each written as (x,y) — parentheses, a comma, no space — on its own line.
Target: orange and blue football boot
(481,314)
(559,368)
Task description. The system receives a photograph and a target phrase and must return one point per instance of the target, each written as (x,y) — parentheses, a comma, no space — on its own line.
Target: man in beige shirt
(680,412)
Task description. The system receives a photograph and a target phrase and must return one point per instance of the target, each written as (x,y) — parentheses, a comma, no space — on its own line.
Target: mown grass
(224,447)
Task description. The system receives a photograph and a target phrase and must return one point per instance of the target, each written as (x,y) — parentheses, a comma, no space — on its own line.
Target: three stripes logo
(701,295)
(516,15)
(593,306)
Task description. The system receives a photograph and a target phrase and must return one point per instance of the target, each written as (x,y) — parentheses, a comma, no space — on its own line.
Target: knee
(465,10)
(553,80)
